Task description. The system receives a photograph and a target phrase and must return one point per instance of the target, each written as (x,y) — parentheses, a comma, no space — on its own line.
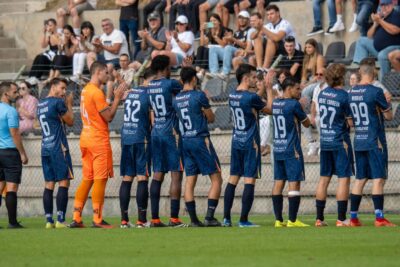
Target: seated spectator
(354,79)
(42,63)
(123,75)
(176,8)
(364,10)
(383,37)
(275,32)
(193,16)
(394,58)
(152,39)
(235,6)
(312,62)
(84,46)
(153,6)
(179,43)
(26,107)
(317,28)
(74,9)
(339,25)
(212,33)
(205,7)
(112,43)
(129,23)
(292,58)
(236,41)
(354,26)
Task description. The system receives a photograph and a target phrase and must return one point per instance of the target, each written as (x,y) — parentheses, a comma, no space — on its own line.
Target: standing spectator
(85,46)
(154,6)
(235,42)
(275,31)
(317,28)
(74,8)
(12,152)
(179,43)
(382,38)
(176,8)
(42,63)
(394,58)
(129,22)
(313,61)
(26,107)
(292,58)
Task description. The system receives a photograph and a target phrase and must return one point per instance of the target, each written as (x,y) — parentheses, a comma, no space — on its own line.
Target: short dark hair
(272,7)
(288,82)
(242,70)
(124,55)
(5,87)
(57,81)
(187,74)
(290,39)
(148,73)
(159,63)
(97,66)
(52,21)
(217,17)
(257,14)
(370,61)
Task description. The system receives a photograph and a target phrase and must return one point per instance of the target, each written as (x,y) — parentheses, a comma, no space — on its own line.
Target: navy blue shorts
(166,153)
(337,162)
(291,169)
(57,167)
(135,160)
(371,164)
(246,163)
(199,156)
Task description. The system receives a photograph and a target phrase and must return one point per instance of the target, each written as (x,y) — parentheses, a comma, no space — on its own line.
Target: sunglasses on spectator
(180,24)
(319,74)
(22,88)
(289,39)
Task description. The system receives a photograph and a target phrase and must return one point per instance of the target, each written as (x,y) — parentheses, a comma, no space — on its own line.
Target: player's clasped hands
(120,90)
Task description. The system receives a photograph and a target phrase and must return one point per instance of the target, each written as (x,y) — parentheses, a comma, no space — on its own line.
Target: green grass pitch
(264,246)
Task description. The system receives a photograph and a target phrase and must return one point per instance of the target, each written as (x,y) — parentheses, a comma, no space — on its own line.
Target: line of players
(166,126)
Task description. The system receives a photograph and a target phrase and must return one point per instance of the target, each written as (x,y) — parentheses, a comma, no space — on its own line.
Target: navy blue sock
(212,205)
(11,204)
(378,205)
(355,201)
(1,198)
(175,206)
(62,203)
(294,204)
(48,204)
(247,202)
(320,204)
(342,209)
(277,202)
(155,189)
(191,208)
(229,196)
(124,199)
(142,196)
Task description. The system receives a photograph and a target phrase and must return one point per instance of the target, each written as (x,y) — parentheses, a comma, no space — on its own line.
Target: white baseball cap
(182,19)
(244,14)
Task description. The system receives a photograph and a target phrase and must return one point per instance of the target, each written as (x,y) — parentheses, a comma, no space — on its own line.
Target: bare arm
(68,117)
(306,123)
(114,49)
(388,114)
(390,28)
(209,115)
(372,30)
(109,113)
(294,69)
(276,37)
(16,136)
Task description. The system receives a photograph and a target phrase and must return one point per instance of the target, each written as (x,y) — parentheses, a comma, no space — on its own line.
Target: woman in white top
(179,43)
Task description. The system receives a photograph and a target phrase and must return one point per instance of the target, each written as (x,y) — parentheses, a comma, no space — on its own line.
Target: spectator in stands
(235,6)
(317,28)
(193,17)
(179,43)
(354,26)
(129,23)
(154,6)
(26,107)
(176,8)
(364,10)
(42,62)
(74,9)
(212,33)
(354,79)
(339,25)
(292,58)
(234,42)
(152,39)
(112,43)
(84,47)
(205,7)
(312,62)
(123,75)
(394,58)
(275,31)
(383,37)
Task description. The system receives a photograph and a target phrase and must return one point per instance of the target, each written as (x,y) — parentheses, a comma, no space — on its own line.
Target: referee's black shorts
(10,165)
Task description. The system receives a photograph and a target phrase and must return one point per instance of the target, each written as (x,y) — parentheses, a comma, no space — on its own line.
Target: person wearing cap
(176,8)
(179,43)
(382,38)
(154,6)
(235,42)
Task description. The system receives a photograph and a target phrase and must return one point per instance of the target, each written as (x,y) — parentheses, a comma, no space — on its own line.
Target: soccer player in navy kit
(336,150)
(53,112)
(136,153)
(288,116)
(245,151)
(165,141)
(369,109)
(194,112)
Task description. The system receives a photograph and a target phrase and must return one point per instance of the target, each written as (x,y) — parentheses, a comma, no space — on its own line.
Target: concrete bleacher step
(21,6)
(12,65)
(6,42)
(12,53)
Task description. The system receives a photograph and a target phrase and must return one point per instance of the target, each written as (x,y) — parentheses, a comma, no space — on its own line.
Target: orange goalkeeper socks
(98,193)
(81,196)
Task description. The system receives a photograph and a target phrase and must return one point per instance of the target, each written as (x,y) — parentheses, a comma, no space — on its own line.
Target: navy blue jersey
(244,107)
(136,127)
(334,110)
(161,93)
(288,115)
(189,106)
(49,112)
(367,102)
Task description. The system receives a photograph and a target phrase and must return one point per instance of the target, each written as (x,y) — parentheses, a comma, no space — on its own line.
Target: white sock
(354,17)
(339,18)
